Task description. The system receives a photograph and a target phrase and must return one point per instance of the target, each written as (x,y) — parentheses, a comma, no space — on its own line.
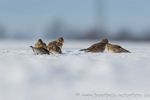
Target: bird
(112,48)
(59,42)
(40,44)
(55,46)
(54,49)
(40,51)
(97,47)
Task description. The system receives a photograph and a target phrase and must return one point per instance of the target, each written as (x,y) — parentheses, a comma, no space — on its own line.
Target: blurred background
(75,19)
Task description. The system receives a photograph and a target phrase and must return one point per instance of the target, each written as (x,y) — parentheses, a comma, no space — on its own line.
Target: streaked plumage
(59,42)
(55,46)
(115,49)
(40,44)
(54,49)
(39,51)
(98,47)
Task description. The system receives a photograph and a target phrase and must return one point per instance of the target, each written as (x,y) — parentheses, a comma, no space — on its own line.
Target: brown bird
(54,49)
(40,44)
(115,49)
(98,47)
(59,42)
(55,46)
(39,51)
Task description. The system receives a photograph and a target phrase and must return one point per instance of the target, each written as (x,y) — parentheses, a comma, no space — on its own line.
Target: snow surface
(74,75)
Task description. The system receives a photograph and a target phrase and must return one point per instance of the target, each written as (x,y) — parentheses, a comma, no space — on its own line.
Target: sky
(35,15)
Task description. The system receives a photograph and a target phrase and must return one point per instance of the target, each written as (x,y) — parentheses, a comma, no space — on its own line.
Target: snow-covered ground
(74,75)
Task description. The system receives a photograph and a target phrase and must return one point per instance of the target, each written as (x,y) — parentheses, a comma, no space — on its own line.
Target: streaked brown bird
(55,46)
(40,44)
(54,49)
(112,48)
(58,42)
(39,51)
(98,47)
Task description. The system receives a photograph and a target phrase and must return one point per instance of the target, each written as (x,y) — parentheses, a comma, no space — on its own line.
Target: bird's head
(104,40)
(60,40)
(40,40)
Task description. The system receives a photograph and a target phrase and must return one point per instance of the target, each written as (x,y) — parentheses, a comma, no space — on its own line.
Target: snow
(74,75)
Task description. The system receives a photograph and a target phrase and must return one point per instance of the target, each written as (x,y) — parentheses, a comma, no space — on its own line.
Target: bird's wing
(51,43)
(121,48)
(117,46)
(45,50)
(44,44)
(94,46)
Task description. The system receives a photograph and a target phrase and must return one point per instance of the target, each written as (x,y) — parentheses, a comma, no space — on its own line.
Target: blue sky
(129,13)
(35,15)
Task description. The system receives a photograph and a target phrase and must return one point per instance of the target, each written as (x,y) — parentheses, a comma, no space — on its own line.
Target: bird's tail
(31,47)
(126,51)
(83,49)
